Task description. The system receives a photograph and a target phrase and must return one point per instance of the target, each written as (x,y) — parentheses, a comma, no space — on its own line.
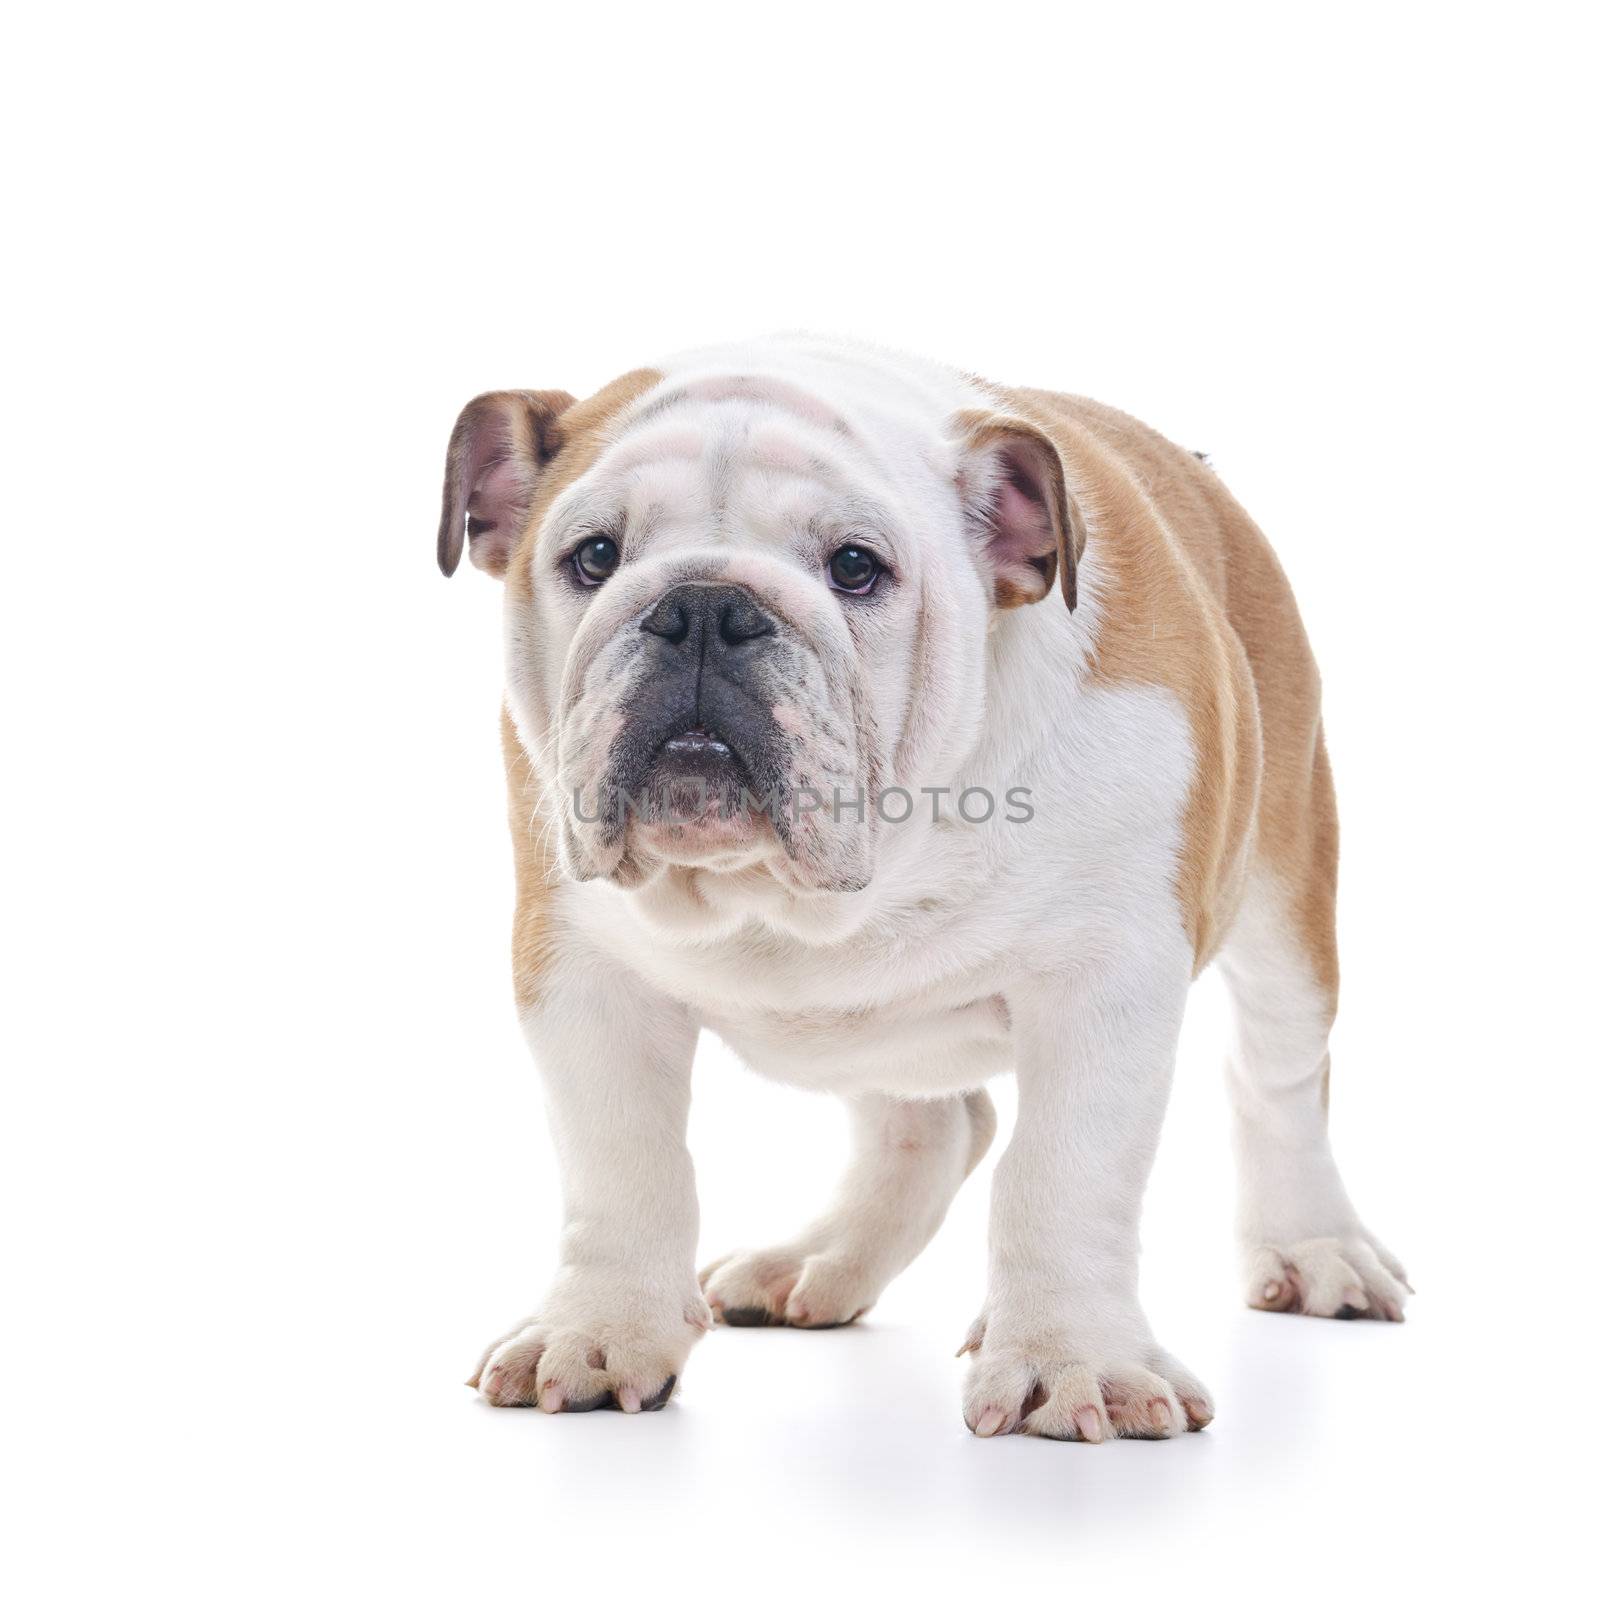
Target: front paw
(1057,1385)
(593,1348)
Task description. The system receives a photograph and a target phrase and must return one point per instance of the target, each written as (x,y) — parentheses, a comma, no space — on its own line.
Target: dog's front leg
(1062,1348)
(625,1306)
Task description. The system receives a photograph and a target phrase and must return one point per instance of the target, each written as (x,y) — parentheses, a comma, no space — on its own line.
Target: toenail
(604,1401)
(989,1421)
(661,1396)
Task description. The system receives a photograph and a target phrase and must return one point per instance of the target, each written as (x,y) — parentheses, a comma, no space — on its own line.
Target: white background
(274,1160)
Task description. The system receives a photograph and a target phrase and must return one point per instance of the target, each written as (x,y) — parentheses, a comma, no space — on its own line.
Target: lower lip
(696,745)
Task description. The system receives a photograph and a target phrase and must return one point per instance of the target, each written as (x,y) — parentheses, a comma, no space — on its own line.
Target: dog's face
(738,612)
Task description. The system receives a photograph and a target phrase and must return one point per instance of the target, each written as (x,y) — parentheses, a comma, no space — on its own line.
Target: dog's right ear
(500,444)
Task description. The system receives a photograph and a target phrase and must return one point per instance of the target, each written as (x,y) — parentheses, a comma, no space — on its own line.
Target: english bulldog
(801,751)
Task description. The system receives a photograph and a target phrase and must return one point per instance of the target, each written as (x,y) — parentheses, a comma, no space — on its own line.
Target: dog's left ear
(500,444)
(1015,490)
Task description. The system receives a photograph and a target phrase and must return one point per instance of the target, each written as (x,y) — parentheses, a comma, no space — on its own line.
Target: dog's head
(741,605)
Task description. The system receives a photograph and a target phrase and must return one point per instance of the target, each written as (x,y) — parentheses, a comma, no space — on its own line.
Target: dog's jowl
(902,729)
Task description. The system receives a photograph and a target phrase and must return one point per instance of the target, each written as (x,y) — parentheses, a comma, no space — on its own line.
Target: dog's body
(987,835)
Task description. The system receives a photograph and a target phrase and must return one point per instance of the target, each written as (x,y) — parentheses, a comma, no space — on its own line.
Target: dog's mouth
(697,758)
(697,744)
(696,776)
(692,778)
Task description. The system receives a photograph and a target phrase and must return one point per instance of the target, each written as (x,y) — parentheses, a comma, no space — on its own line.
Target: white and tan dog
(793,756)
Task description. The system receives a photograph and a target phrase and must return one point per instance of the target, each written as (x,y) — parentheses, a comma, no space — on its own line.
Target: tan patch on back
(1194,600)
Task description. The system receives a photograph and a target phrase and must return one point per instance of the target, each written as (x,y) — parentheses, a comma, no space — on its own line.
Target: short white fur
(1053,948)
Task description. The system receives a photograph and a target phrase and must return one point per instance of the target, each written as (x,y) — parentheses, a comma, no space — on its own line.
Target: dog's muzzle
(702,712)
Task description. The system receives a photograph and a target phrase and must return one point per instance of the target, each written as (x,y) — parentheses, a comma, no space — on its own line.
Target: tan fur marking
(532,939)
(1197,602)
(1008,597)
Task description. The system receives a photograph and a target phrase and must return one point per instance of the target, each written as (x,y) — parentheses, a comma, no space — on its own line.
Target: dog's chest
(897,1009)
(921,1047)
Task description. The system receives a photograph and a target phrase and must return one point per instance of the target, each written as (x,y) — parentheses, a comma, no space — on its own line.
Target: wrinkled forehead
(727,459)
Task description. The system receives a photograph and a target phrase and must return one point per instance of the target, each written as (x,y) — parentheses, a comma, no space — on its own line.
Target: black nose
(697,615)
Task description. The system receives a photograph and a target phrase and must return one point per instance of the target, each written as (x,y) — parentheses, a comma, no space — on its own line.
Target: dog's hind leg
(908,1158)
(1303,1246)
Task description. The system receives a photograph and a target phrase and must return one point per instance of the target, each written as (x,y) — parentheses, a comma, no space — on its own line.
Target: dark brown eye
(853,569)
(595,560)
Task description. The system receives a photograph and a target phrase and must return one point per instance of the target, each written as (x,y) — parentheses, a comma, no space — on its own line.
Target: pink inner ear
(502,485)
(1021,523)
(498,492)
(1021,532)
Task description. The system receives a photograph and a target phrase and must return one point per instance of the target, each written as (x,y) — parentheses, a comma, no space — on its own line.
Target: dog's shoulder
(1173,567)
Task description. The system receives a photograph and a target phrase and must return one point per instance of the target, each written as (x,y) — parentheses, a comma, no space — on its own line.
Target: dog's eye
(595,560)
(853,569)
